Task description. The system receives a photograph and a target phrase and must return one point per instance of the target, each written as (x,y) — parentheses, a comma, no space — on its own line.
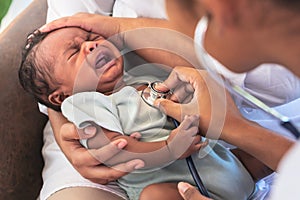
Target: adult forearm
(157,41)
(261,143)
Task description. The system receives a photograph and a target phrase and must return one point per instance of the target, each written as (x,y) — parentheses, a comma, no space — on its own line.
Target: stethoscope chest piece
(150,93)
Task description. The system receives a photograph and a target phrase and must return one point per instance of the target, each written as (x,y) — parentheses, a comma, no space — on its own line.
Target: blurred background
(9,9)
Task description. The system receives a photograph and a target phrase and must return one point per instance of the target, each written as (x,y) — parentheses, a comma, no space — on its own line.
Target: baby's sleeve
(86,107)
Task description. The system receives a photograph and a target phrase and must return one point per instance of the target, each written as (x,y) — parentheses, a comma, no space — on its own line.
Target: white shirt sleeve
(273,84)
(62,8)
(138,8)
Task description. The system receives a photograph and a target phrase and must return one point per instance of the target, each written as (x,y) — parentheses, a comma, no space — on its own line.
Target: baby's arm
(182,142)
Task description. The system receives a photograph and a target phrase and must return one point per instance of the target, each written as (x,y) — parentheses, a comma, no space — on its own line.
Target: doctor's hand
(89,162)
(189,192)
(194,92)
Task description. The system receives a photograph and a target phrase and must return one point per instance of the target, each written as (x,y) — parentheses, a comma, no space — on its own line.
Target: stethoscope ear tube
(284,120)
(290,127)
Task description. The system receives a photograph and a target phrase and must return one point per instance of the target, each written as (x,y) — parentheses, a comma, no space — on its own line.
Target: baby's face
(83,61)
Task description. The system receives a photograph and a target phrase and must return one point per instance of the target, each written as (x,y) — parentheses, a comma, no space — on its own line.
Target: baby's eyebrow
(72,44)
(68,47)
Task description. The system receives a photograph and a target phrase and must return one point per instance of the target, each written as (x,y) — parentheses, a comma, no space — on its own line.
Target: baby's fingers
(199,145)
(189,121)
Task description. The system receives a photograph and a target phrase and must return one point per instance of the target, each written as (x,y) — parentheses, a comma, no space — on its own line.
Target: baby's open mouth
(102,60)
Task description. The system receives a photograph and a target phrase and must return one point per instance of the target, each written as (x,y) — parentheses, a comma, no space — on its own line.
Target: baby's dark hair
(35,71)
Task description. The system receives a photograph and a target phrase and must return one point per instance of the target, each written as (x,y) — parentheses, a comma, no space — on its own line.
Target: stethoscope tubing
(154,94)
(291,128)
(194,172)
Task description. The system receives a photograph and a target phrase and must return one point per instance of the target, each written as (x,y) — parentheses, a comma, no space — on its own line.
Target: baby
(81,74)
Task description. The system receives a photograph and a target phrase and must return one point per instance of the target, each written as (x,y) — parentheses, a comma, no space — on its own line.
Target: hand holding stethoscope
(194,92)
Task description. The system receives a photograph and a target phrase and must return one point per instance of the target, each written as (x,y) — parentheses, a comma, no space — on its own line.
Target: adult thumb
(189,192)
(169,107)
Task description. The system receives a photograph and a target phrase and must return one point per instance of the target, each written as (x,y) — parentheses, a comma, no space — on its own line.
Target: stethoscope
(149,95)
(284,120)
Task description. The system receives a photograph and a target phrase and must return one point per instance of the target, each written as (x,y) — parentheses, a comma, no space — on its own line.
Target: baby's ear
(57,97)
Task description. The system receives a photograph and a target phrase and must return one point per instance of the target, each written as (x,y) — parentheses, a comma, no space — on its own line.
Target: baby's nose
(90,46)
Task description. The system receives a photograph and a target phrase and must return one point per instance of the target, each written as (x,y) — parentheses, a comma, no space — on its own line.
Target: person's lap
(79,193)
(60,177)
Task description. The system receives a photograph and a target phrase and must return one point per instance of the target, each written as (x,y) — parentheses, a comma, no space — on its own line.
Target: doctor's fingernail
(161,87)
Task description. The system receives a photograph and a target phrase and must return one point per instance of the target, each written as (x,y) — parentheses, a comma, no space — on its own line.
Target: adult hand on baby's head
(106,26)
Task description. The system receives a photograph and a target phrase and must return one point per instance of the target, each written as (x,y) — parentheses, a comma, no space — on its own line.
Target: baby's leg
(166,191)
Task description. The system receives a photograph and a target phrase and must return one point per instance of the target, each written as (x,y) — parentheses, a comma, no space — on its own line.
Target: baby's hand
(185,140)
(136,135)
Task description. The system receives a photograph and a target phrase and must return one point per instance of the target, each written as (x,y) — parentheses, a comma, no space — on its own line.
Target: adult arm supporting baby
(68,136)
(182,142)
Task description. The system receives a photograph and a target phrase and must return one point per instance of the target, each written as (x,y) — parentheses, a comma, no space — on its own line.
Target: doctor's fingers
(176,110)
(182,75)
(182,93)
(189,121)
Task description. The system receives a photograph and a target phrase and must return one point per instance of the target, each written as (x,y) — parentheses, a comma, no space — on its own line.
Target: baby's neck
(122,84)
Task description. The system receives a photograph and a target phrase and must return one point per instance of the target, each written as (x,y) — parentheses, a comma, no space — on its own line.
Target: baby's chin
(111,88)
